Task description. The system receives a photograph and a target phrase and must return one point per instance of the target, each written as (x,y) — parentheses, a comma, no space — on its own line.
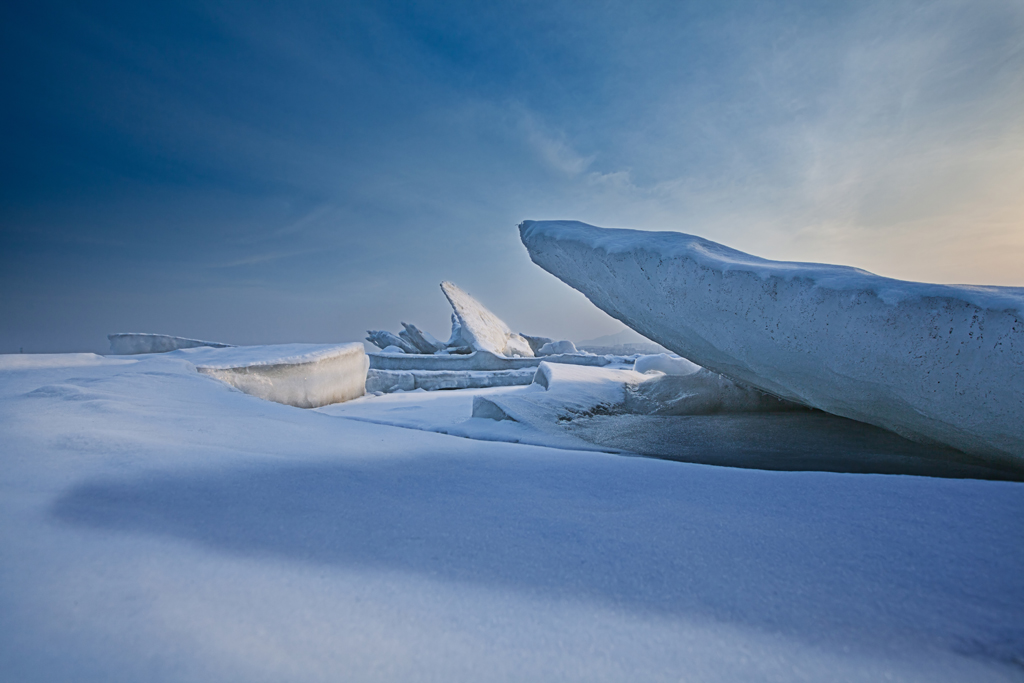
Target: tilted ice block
(422,340)
(129,343)
(300,375)
(480,328)
(383,339)
(930,362)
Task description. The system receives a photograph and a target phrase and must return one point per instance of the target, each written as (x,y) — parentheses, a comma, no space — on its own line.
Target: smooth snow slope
(931,362)
(158,525)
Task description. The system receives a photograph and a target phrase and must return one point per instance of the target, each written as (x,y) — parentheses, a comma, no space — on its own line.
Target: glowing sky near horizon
(305,172)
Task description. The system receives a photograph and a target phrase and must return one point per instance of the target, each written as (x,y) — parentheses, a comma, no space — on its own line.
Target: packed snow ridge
(935,363)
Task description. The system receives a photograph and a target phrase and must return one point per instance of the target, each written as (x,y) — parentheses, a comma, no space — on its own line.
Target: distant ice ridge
(935,363)
(300,375)
(475,329)
(130,343)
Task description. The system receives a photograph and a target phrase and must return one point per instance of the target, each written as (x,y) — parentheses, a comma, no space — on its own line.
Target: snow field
(161,526)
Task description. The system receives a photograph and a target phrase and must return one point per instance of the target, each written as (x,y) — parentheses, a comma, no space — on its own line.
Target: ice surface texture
(130,343)
(300,375)
(931,362)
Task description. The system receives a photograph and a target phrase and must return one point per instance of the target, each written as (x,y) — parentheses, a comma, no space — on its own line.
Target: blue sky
(303,172)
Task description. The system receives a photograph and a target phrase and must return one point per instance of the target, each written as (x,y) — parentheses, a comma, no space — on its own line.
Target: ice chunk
(480,328)
(573,391)
(537,342)
(554,347)
(662,362)
(383,339)
(391,349)
(931,362)
(423,341)
(129,343)
(300,375)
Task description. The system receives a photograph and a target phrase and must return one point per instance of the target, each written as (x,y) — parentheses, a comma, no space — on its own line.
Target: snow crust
(936,363)
(129,343)
(300,375)
(160,526)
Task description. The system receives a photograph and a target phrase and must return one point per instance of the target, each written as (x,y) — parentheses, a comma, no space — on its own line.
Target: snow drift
(934,363)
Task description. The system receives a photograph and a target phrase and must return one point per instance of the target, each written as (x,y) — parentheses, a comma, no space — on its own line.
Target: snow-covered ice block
(555,347)
(383,339)
(130,343)
(300,375)
(662,362)
(560,393)
(480,328)
(934,363)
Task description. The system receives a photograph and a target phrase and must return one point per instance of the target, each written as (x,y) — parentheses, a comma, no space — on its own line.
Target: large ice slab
(300,375)
(130,343)
(931,362)
(481,329)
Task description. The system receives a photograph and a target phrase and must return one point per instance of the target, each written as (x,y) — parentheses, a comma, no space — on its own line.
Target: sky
(302,172)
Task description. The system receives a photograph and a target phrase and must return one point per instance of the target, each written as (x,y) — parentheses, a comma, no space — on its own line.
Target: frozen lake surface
(159,525)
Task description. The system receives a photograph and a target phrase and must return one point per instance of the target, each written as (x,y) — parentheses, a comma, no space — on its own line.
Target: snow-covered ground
(159,525)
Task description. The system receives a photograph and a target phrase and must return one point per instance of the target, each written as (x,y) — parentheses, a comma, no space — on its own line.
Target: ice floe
(300,375)
(935,363)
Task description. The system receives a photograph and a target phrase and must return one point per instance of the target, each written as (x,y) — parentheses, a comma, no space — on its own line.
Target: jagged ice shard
(933,363)
(483,330)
